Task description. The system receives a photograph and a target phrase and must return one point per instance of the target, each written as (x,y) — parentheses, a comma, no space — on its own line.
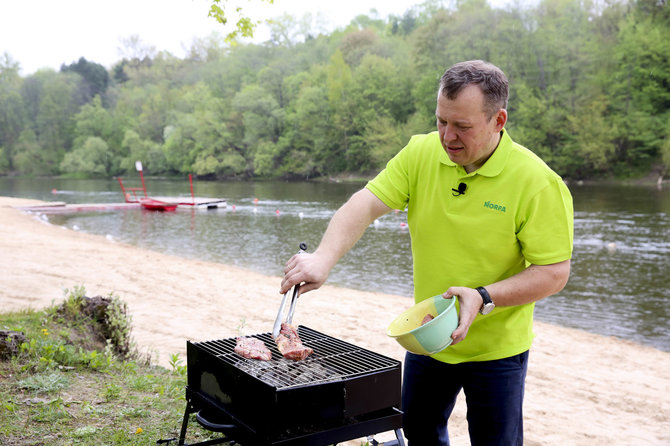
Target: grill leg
(398,435)
(184,424)
(399,441)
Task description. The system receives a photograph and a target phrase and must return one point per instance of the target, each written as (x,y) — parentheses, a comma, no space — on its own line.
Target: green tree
(530,121)
(311,126)
(452,36)
(589,93)
(51,101)
(92,158)
(382,138)
(95,78)
(356,44)
(665,150)
(95,120)
(339,85)
(215,148)
(594,145)
(28,155)
(380,95)
(12,111)
(640,87)
(444,38)
(148,152)
(271,79)
(557,87)
(4,161)
(262,118)
(179,145)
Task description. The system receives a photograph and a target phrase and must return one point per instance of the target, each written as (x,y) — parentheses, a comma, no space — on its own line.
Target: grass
(76,379)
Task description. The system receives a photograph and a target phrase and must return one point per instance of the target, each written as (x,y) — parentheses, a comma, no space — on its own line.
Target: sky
(48,33)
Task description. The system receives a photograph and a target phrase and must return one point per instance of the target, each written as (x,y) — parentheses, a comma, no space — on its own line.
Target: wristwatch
(488,304)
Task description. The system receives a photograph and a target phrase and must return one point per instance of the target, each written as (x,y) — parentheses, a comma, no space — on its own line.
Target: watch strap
(485,295)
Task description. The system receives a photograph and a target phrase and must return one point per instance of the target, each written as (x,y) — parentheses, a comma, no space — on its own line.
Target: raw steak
(252,348)
(290,345)
(427,318)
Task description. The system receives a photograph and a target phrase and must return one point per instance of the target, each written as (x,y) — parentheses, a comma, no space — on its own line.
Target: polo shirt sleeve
(392,185)
(546,234)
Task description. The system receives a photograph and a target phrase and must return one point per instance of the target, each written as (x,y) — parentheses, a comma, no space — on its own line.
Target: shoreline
(582,388)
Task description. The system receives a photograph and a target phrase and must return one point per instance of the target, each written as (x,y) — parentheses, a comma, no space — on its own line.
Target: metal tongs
(278,321)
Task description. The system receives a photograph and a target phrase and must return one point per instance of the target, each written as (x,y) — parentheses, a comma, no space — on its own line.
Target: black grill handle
(215,427)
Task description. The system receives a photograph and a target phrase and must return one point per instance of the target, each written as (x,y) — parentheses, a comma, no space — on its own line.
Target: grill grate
(332,360)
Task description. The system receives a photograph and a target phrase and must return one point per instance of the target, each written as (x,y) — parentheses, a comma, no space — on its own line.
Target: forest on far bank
(589,80)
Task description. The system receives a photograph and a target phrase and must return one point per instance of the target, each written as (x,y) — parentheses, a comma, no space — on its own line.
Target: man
(491,225)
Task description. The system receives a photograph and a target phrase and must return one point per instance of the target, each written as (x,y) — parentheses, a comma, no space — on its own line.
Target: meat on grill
(427,318)
(290,345)
(252,348)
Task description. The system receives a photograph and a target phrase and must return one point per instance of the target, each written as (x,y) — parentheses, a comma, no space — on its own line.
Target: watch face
(486,308)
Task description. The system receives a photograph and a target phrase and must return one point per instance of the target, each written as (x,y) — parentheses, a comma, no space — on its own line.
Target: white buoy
(611,246)
(301,215)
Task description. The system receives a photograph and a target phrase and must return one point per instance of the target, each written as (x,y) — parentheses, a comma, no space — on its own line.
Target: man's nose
(449,133)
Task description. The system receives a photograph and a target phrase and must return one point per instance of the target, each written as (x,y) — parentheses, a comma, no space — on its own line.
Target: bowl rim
(413,330)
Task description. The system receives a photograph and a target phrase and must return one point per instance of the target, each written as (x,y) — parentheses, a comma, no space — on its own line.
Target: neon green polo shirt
(515,211)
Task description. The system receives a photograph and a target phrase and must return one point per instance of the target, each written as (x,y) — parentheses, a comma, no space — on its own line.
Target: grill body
(339,385)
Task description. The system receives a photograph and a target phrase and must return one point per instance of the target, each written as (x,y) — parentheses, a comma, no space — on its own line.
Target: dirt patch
(106,319)
(10,343)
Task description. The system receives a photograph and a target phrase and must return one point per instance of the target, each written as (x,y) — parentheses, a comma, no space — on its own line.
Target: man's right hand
(309,269)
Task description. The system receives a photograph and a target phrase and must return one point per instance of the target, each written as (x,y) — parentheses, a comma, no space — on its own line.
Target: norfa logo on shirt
(495,207)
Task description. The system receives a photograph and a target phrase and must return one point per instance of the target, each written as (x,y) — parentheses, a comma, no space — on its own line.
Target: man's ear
(501,119)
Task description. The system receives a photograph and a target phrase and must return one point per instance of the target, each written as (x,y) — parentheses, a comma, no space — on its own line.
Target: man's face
(467,134)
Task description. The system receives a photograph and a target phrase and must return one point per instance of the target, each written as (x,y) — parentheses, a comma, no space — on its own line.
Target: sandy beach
(582,389)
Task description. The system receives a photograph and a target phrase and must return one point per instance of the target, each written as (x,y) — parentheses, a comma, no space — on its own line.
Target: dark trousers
(493,393)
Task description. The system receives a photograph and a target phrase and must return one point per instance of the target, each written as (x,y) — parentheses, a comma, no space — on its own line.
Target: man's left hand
(470,302)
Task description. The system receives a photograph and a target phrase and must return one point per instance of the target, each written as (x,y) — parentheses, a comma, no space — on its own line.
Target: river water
(620,278)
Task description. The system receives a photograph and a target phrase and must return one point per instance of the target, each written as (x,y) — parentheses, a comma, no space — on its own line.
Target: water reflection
(621,260)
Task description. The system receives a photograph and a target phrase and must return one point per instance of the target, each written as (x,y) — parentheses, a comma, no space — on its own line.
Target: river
(620,277)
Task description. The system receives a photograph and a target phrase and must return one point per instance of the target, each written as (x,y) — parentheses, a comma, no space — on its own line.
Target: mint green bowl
(431,337)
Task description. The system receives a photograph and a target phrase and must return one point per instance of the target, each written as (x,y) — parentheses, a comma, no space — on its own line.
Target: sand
(582,388)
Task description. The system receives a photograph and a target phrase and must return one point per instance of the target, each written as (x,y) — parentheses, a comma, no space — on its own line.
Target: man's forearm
(532,284)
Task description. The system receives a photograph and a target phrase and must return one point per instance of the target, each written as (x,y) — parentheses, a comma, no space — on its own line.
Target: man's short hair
(490,79)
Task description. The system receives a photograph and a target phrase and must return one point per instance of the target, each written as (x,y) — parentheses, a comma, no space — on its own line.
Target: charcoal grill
(341,392)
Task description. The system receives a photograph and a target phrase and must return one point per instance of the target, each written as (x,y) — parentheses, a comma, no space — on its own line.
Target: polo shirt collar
(494,165)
